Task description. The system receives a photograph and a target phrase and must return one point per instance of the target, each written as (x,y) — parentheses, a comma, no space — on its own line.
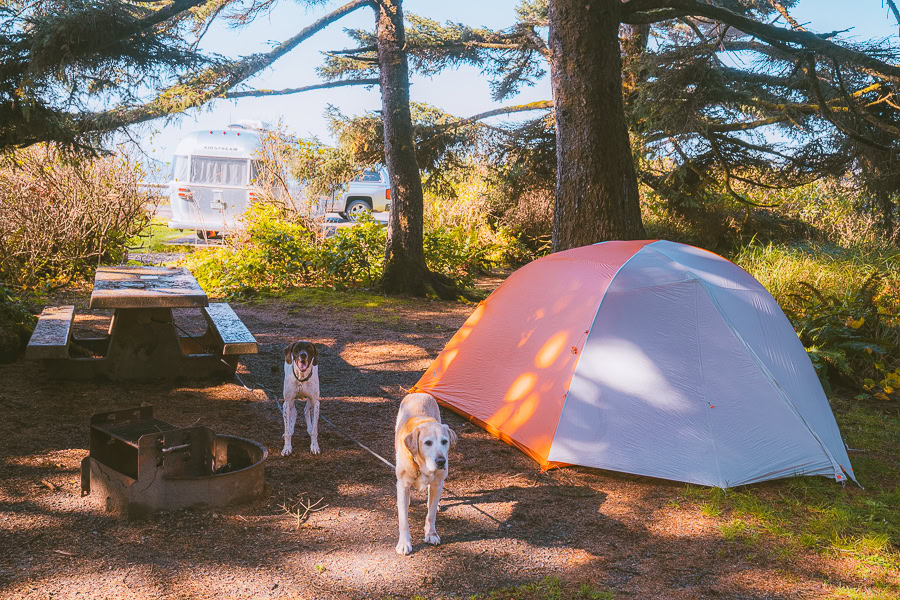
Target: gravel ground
(502,521)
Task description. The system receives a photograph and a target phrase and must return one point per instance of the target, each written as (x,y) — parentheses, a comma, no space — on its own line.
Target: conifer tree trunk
(404,266)
(596,186)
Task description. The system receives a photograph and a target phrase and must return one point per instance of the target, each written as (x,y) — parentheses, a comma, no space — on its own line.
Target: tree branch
(540,105)
(411,48)
(787,17)
(210,83)
(287,91)
(650,15)
(894,10)
(769,33)
(744,126)
(827,112)
(538,42)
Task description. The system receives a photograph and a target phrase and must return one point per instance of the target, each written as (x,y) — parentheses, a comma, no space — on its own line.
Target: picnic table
(143,342)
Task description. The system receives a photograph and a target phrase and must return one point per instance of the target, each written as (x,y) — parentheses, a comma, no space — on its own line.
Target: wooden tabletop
(146,287)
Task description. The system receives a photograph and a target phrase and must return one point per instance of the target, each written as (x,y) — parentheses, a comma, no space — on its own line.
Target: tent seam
(588,337)
(712,437)
(772,381)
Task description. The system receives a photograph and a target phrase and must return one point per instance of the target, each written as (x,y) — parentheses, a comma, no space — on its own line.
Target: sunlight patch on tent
(523,384)
(623,366)
(551,350)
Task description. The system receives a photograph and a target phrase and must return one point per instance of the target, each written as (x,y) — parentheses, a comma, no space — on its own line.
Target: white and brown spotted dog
(422,444)
(301,381)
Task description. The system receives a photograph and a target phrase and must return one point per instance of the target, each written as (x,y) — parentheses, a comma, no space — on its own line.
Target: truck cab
(370,191)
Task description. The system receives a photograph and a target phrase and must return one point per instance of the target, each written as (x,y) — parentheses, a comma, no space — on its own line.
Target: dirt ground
(502,521)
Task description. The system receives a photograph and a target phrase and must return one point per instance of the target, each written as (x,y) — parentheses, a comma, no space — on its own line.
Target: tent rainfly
(647,357)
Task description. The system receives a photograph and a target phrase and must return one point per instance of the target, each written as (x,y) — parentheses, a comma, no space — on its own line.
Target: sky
(462,92)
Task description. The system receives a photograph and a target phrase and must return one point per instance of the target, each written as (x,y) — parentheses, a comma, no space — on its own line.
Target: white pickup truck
(368,192)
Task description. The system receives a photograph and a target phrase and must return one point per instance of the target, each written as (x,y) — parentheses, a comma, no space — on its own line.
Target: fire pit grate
(138,464)
(131,432)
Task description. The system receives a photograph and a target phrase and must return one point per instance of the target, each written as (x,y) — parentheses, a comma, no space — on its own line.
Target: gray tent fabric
(647,357)
(692,372)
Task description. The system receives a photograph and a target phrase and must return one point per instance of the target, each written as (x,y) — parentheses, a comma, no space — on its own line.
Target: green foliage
(274,254)
(270,254)
(355,256)
(814,513)
(62,214)
(156,237)
(456,253)
(58,59)
(14,314)
(442,144)
(549,588)
(844,307)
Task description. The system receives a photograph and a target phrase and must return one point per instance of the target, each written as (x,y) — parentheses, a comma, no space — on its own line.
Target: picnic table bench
(143,342)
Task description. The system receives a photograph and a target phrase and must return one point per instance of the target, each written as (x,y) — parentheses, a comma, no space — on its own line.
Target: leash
(278,405)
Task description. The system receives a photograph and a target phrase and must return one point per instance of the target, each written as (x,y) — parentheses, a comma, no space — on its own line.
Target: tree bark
(405,271)
(596,187)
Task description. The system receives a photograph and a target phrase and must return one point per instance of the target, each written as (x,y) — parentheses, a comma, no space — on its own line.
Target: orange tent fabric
(529,331)
(646,357)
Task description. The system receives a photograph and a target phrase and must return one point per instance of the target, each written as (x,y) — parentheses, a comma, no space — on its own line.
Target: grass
(155,238)
(549,588)
(830,269)
(819,515)
(847,593)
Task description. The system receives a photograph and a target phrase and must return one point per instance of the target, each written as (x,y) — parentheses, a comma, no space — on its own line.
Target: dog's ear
(412,441)
(315,353)
(288,350)
(450,434)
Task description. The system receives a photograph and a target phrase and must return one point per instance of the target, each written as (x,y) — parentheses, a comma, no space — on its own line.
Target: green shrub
(270,254)
(62,215)
(354,257)
(274,253)
(844,306)
(16,324)
(456,253)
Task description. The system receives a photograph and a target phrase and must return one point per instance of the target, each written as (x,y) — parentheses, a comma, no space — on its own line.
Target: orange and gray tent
(646,357)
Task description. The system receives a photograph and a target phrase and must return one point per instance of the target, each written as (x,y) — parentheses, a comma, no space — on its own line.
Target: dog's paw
(404,547)
(432,538)
(286,451)
(314,447)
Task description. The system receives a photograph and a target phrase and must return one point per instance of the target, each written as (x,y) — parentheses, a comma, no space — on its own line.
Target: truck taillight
(387,194)
(184,192)
(251,196)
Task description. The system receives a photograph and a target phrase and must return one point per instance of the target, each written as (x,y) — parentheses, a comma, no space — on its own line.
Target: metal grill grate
(131,431)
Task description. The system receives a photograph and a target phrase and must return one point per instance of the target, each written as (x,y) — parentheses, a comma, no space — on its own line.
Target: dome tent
(647,357)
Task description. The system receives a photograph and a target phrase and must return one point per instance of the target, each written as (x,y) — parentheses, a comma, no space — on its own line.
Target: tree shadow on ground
(502,522)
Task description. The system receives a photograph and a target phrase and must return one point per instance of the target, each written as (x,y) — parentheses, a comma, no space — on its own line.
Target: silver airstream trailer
(212,175)
(209,187)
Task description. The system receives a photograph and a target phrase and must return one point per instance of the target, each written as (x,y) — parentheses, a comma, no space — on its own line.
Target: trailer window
(221,171)
(180,168)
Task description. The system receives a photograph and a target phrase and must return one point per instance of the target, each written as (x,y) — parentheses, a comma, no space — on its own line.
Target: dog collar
(294,372)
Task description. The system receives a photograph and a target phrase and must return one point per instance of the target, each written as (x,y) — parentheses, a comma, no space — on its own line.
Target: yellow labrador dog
(422,444)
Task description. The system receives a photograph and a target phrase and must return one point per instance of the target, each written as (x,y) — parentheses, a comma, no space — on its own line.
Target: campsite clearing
(503,522)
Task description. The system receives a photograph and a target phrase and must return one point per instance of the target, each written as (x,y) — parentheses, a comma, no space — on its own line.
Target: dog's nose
(441,461)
